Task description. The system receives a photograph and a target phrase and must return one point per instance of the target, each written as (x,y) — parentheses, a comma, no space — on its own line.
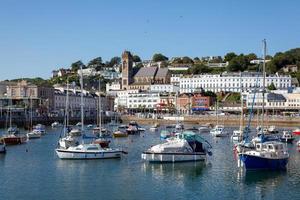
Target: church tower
(127,74)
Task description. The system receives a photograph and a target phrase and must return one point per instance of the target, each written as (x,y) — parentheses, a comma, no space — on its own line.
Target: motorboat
(154,127)
(13,139)
(237,136)
(218,131)
(287,137)
(101,132)
(296,131)
(268,155)
(88,151)
(272,130)
(184,147)
(39,128)
(55,124)
(120,133)
(34,134)
(133,128)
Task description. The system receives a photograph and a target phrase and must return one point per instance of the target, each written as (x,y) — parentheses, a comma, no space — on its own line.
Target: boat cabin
(270,146)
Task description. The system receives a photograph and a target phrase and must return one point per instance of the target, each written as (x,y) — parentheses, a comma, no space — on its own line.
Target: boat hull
(172,157)
(14,140)
(72,155)
(252,162)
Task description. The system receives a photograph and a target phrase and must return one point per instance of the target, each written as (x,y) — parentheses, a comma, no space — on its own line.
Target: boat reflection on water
(182,171)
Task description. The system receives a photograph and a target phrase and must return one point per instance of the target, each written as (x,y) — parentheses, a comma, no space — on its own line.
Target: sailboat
(33,134)
(271,155)
(237,135)
(13,135)
(101,132)
(218,130)
(69,138)
(90,150)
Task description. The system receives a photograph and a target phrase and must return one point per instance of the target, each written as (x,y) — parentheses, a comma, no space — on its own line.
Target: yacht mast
(242,105)
(264,80)
(81,97)
(99,108)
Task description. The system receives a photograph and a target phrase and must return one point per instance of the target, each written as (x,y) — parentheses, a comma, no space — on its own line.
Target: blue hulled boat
(268,155)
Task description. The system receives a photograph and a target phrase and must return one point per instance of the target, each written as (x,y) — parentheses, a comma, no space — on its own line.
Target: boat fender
(209,153)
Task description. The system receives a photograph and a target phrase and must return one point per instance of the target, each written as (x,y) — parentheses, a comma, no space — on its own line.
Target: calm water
(32,171)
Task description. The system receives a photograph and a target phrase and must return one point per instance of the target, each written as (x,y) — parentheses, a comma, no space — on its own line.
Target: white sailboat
(218,130)
(87,151)
(33,134)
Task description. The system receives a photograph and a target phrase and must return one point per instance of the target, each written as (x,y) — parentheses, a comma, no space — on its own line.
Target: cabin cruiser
(287,137)
(120,133)
(34,134)
(186,146)
(271,155)
(101,132)
(133,128)
(88,151)
(39,128)
(218,131)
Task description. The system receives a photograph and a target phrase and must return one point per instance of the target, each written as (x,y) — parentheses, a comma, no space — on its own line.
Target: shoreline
(225,120)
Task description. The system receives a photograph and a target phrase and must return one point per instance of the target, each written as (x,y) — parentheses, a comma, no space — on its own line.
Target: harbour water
(33,171)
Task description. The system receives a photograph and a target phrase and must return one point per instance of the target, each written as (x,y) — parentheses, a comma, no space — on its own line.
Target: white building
(89,102)
(114,86)
(231,82)
(143,100)
(121,98)
(164,88)
(88,72)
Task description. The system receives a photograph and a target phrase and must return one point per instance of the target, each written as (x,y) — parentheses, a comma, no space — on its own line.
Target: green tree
(229,56)
(199,69)
(94,63)
(159,57)
(187,60)
(238,63)
(76,66)
(115,60)
(196,59)
(136,58)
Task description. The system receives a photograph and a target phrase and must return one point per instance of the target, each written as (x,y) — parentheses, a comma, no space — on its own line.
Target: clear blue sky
(39,36)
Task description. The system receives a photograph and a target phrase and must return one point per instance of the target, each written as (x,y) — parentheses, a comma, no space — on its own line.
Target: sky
(37,37)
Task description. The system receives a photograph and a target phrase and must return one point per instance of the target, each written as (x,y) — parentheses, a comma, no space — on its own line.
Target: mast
(99,108)
(242,105)
(66,123)
(264,80)
(30,113)
(81,98)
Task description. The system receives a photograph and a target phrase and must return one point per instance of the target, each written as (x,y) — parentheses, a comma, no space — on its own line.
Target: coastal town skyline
(40,37)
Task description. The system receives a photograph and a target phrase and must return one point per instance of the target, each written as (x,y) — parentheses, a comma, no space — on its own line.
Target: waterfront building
(113,86)
(142,78)
(143,100)
(89,102)
(21,92)
(164,88)
(231,82)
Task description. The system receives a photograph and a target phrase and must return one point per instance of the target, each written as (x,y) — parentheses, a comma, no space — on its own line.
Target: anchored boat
(184,147)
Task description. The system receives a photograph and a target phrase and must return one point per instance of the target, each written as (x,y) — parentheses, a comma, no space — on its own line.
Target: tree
(95,62)
(199,69)
(159,57)
(229,56)
(187,60)
(196,59)
(271,86)
(238,63)
(164,64)
(251,56)
(115,60)
(136,58)
(76,66)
